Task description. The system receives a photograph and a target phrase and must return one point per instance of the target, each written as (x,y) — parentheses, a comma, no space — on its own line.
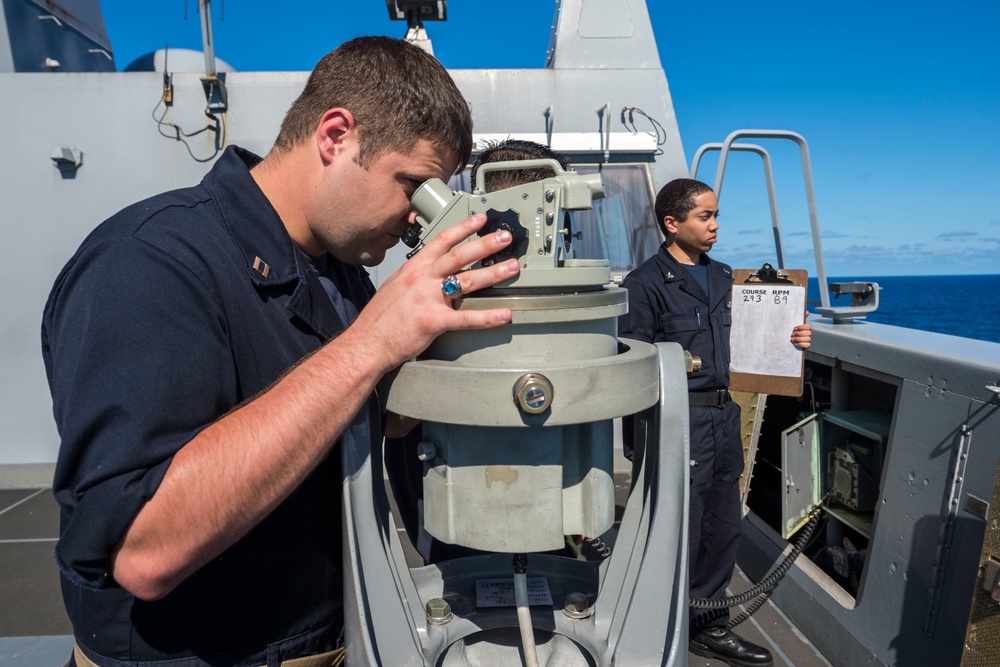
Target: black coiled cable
(766,586)
(602,549)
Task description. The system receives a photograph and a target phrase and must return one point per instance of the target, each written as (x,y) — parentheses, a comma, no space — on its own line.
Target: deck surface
(769,628)
(35,632)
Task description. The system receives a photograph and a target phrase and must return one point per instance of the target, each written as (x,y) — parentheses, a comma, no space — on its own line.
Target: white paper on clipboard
(763,318)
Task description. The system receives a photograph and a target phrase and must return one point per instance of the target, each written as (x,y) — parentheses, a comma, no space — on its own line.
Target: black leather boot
(724,644)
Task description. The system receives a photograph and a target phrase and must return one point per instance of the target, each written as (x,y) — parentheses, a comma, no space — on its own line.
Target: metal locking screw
(533,393)
(438,611)
(426,450)
(576,605)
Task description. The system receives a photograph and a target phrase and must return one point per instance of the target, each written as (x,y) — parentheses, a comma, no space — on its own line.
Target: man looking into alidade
(209,349)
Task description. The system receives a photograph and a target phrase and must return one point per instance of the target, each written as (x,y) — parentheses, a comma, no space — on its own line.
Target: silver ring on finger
(451,287)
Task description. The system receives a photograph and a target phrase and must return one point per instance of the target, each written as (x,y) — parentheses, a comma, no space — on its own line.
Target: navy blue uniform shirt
(666,304)
(173,312)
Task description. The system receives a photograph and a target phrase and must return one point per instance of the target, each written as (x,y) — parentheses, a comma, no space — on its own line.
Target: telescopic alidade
(517,420)
(517,441)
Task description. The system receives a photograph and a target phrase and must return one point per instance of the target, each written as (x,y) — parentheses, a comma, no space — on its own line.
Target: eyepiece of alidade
(411,237)
(533,393)
(431,198)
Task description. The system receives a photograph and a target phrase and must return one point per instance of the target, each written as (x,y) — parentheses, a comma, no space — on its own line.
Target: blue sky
(900,104)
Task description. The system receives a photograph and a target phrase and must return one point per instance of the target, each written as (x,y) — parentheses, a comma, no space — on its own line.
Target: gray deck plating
(35,632)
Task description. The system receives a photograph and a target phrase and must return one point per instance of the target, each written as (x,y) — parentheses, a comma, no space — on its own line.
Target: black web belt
(716,398)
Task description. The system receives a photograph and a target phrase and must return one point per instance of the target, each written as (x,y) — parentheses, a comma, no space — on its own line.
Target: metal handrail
(207,42)
(768,179)
(727,145)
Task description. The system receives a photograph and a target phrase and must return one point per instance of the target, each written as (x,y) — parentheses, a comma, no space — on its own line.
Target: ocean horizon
(960,305)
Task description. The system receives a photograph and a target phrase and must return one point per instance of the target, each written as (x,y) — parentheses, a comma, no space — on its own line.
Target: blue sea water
(966,306)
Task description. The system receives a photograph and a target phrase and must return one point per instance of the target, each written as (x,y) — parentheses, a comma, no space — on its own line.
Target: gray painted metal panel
(605,35)
(66,36)
(922,559)
(800,450)
(947,364)
(574,97)
(82,15)
(46,216)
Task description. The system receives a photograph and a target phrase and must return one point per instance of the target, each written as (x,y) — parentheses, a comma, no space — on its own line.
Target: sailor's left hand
(802,336)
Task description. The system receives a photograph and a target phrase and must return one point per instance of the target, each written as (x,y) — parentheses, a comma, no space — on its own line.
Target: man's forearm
(238,469)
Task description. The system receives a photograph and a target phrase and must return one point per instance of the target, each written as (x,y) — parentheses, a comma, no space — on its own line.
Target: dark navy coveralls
(171,313)
(666,304)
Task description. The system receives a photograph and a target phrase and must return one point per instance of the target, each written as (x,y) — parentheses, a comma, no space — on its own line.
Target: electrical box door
(800,469)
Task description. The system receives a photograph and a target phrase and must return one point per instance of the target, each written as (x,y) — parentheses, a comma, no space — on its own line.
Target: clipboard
(767,304)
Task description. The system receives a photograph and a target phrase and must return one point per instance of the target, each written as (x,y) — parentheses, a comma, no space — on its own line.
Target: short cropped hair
(676,199)
(515,149)
(397,92)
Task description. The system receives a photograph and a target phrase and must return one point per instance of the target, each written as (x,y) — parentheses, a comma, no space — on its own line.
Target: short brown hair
(397,92)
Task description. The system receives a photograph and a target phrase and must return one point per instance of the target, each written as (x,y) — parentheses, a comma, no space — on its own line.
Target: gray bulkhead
(106,121)
(920,407)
